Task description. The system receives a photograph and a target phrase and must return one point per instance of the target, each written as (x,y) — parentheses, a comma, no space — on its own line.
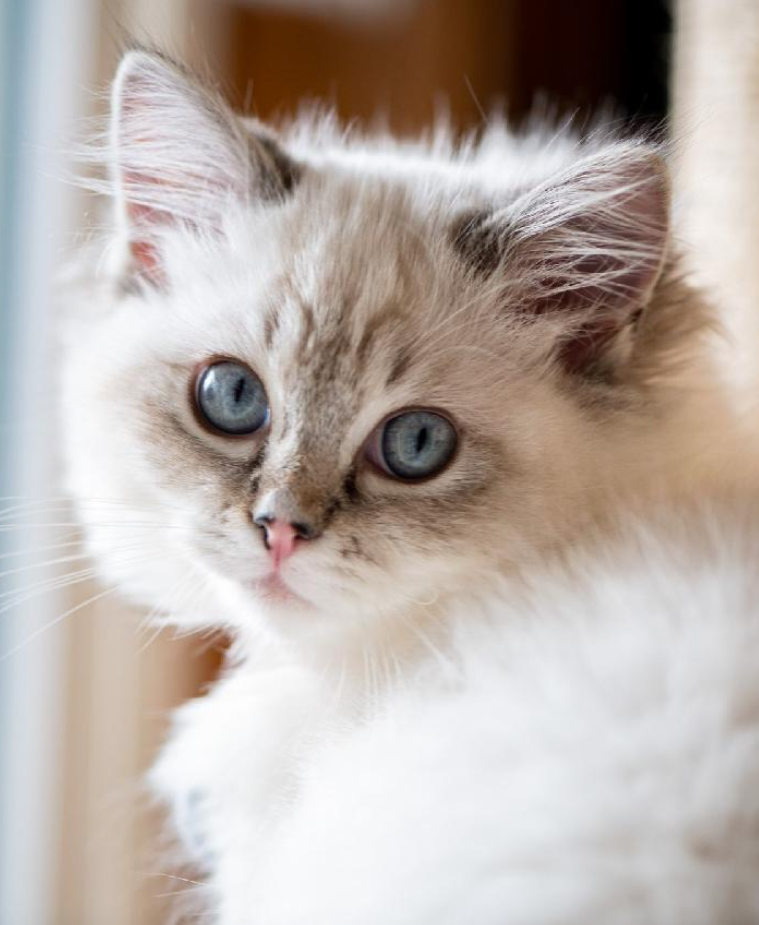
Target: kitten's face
(371,313)
(352,301)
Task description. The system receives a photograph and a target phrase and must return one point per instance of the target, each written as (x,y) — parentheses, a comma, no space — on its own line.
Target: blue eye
(232,398)
(414,445)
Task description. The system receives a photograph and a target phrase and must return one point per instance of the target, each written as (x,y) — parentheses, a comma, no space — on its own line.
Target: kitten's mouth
(273,588)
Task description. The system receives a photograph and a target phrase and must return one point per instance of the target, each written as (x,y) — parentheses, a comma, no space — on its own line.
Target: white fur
(586,752)
(521,709)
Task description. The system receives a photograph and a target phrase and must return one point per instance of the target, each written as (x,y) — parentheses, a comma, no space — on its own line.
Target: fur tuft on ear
(582,251)
(178,154)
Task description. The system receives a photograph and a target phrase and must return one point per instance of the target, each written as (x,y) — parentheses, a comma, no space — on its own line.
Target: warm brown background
(467,54)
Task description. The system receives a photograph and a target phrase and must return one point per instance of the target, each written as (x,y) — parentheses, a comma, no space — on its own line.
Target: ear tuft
(595,237)
(179,154)
(583,250)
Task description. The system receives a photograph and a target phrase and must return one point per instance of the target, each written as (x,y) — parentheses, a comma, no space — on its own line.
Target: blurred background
(85,688)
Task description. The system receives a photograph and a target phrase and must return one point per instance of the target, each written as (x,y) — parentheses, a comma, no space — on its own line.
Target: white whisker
(16,596)
(178,878)
(50,624)
(187,583)
(7,528)
(47,584)
(48,563)
(52,547)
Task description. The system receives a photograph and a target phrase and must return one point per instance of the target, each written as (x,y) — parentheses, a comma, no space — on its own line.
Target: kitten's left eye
(231,398)
(413,445)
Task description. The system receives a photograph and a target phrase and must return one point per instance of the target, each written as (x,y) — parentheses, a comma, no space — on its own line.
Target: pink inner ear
(143,251)
(588,344)
(606,263)
(141,217)
(177,156)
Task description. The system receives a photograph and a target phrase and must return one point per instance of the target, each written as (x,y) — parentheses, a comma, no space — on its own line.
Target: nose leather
(280,538)
(285,522)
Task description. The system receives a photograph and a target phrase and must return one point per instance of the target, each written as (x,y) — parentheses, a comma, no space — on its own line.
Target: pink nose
(280,540)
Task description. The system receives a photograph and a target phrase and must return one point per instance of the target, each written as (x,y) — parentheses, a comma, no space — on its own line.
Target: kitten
(385,411)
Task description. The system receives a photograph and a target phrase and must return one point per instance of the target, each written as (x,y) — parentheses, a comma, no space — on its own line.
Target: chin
(295,614)
(273,590)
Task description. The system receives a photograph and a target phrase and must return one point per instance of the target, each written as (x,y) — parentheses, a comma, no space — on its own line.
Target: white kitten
(380,409)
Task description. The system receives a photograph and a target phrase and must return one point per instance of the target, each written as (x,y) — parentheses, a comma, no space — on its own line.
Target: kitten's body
(455,703)
(583,750)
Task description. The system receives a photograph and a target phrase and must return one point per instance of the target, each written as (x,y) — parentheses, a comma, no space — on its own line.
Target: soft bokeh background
(84,689)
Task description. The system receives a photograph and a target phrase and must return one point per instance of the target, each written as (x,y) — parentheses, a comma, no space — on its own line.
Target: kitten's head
(331,382)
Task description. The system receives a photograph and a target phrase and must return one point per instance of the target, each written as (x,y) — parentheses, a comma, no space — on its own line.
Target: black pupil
(239,389)
(421,439)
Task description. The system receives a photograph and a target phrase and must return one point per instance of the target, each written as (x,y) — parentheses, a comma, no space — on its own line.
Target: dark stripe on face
(352,549)
(367,340)
(372,328)
(400,366)
(255,470)
(341,315)
(308,327)
(287,172)
(331,361)
(332,508)
(350,489)
(271,326)
(478,241)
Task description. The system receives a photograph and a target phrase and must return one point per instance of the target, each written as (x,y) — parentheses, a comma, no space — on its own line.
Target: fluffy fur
(586,752)
(476,703)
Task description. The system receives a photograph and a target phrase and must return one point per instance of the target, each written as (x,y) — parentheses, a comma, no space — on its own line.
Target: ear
(179,155)
(581,254)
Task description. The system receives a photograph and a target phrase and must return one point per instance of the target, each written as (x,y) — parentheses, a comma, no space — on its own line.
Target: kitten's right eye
(231,398)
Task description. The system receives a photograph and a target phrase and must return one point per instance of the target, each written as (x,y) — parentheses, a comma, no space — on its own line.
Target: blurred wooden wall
(467,56)
(403,68)
(716,118)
